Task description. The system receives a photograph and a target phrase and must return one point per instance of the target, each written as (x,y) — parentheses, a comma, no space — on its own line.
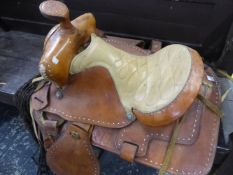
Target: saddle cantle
(109,82)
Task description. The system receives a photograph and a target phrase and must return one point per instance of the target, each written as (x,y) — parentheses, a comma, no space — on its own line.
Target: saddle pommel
(63,41)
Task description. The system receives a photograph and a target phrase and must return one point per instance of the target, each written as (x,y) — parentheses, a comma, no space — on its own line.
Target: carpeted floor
(17,146)
(19,152)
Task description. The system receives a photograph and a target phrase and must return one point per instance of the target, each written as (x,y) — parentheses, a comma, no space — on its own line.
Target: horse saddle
(159,109)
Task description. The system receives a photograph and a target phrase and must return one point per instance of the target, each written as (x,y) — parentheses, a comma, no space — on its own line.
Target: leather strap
(214,108)
(128,151)
(72,153)
(171,146)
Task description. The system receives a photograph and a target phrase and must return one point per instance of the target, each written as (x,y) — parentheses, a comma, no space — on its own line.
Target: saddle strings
(171,146)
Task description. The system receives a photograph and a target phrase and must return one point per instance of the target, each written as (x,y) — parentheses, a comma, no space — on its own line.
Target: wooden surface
(19,56)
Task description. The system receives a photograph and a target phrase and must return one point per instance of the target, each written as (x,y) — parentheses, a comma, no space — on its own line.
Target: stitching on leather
(128,45)
(48,69)
(90,153)
(87,147)
(151,136)
(212,147)
(85,119)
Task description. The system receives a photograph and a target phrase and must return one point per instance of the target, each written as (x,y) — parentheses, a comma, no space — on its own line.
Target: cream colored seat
(148,85)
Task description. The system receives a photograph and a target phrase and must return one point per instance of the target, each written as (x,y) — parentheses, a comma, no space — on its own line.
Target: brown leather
(128,151)
(91,95)
(56,10)
(188,159)
(183,101)
(63,41)
(72,153)
(188,134)
(88,99)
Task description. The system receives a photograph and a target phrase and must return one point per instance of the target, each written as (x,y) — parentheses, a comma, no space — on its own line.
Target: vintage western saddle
(159,109)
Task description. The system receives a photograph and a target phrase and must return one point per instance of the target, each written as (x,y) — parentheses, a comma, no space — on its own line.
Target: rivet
(59,93)
(75,135)
(130,116)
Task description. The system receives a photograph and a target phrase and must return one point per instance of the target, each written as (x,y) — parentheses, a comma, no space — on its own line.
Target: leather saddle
(159,109)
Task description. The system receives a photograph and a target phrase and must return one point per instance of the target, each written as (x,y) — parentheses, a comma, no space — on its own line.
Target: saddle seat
(157,88)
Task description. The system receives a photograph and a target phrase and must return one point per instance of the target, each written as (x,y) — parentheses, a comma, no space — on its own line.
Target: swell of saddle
(145,84)
(62,44)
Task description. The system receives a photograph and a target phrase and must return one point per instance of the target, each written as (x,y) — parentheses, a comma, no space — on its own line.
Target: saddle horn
(63,41)
(58,11)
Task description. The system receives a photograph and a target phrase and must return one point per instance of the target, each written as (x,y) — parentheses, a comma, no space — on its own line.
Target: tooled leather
(138,80)
(194,159)
(72,156)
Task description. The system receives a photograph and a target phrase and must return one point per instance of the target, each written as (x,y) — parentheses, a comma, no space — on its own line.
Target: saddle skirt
(91,108)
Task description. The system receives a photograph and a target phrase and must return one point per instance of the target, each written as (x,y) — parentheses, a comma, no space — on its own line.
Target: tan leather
(198,134)
(72,153)
(158,87)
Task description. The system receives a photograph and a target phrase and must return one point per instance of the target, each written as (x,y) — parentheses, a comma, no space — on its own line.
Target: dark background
(202,24)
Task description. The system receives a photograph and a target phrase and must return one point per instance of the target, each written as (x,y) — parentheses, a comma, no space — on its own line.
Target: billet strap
(211,106)
(171,146)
